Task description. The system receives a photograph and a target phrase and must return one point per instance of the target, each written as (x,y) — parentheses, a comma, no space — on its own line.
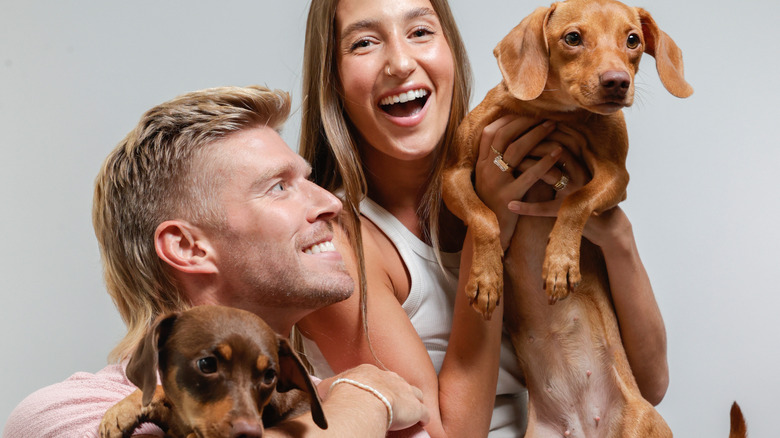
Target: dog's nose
(615,81)
(246,429)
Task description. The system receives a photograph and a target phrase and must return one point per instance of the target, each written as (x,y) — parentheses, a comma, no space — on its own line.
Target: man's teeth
(404,97)
(321,247)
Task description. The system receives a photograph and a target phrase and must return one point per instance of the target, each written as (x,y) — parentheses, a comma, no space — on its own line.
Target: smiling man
(203,203)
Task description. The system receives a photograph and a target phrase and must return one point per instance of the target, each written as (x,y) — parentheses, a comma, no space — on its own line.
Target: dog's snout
(246,429)
(616,81)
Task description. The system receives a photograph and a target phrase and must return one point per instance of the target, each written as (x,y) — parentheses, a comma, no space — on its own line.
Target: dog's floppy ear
(142,368)
(293,375)
(668,57)
(523,56)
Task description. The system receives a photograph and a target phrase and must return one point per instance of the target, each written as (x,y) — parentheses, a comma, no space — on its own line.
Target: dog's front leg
(485,282)
(561,268)
(124,417)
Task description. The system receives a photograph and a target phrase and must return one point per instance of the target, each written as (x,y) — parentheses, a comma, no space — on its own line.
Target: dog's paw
(117,423)
(560,274)
(485,285)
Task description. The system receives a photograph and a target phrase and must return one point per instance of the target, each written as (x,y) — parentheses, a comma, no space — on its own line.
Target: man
(204,203)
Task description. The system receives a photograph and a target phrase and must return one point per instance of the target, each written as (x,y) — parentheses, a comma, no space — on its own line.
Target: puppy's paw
(486,283)
(560,274)
(118,422)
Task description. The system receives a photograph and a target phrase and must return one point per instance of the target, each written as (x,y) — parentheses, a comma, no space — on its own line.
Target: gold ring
(561,184)
(499,161)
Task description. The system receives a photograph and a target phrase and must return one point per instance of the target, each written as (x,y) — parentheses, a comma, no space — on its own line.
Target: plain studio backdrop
(75,76)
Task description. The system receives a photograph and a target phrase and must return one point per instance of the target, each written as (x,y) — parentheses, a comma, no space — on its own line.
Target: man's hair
(150,177)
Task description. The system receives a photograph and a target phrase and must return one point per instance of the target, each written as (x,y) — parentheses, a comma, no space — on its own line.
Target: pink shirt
(72,408)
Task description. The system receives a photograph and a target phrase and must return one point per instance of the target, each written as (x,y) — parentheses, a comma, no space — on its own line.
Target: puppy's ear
(142,368)
(668,57)
(293,375)
(523,56)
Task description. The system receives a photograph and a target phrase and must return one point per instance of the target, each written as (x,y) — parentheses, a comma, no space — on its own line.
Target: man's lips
(321,247)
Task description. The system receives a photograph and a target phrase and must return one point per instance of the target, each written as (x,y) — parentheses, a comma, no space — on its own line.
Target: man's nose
(324,205)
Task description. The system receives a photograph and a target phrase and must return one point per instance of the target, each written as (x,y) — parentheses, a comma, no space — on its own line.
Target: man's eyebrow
(371,23)
(277,172)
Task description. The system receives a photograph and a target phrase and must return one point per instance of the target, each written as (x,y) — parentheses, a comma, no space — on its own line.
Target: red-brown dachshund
(573,62)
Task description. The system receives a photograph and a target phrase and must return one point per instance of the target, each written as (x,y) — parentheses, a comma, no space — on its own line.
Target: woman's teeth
(321,247)
(404,97)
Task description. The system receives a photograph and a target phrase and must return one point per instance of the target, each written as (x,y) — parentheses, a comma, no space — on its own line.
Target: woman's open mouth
(404,104)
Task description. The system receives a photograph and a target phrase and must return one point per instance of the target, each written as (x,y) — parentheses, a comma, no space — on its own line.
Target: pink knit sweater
(72,408)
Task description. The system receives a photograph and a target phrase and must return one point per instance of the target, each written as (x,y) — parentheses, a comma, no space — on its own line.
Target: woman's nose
(400,60)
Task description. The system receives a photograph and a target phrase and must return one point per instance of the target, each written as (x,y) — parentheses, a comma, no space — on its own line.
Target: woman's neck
(398,186)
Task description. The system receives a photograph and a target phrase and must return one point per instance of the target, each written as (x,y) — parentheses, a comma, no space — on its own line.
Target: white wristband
(376,393)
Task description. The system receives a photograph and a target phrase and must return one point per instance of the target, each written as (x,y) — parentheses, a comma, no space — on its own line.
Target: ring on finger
(561,183)
(499,161)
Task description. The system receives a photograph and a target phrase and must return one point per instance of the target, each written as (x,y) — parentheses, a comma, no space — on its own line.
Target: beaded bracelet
(376,393)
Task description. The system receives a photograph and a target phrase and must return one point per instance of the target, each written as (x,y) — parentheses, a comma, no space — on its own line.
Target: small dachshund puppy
(224,373)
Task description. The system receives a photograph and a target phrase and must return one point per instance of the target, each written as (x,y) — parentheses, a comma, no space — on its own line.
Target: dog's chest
(565,350)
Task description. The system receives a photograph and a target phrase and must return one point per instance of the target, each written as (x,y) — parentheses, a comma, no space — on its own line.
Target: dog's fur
(224,373)
(576,371)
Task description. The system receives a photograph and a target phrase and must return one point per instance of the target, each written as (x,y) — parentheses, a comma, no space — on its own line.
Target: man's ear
(184,247)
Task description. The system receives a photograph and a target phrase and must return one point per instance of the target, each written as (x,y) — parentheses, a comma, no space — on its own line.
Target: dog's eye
(207,365)
(269,376)
(633,41)
(573,38)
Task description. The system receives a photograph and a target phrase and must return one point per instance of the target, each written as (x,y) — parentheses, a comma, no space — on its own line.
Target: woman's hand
(529,151)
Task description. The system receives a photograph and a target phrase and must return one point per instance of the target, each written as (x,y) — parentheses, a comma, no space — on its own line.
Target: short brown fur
(251,378)
(578,377)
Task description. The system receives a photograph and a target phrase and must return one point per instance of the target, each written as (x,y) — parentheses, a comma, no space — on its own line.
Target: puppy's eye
(207,365)
(633,41)
(269,376)
(573,39)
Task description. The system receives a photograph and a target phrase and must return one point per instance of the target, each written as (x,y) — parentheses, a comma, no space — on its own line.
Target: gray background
(75,77)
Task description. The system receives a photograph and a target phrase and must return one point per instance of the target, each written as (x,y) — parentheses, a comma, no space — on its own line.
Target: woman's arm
(352,411)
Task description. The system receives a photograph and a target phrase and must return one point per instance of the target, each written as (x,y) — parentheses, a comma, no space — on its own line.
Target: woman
(386,83)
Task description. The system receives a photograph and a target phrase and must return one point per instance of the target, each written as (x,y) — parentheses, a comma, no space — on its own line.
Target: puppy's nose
(615,81)
(246,429)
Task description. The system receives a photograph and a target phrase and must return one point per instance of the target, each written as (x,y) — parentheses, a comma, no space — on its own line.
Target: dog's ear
(142,367)
(668,57)
(293,375)
(523,56)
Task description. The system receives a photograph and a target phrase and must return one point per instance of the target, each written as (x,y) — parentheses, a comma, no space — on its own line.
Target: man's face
(275,249)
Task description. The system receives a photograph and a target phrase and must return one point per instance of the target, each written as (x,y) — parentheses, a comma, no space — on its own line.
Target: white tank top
(429,307)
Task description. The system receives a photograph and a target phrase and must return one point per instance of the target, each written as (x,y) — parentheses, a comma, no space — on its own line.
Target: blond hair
(150,177)
(328,142)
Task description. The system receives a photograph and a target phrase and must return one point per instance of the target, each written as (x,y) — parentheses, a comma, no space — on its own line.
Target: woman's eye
(633,41)
(573,39)
(421,32)
(207,365)
(361,44)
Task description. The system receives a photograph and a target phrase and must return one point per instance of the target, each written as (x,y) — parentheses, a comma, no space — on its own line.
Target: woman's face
(397,72)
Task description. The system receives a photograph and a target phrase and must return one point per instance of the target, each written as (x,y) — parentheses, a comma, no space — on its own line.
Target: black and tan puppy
(224,373)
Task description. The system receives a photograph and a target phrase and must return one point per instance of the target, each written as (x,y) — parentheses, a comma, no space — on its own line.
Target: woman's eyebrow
(369,23)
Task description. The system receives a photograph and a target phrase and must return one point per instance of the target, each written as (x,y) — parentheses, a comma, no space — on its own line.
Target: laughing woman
(386,83)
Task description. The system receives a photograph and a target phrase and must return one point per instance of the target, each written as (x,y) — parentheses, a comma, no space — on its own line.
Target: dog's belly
(570,352)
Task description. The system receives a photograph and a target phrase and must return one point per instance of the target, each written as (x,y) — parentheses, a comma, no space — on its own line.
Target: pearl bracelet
(376,393)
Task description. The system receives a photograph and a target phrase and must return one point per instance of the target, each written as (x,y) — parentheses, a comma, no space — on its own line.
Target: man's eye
(278,187)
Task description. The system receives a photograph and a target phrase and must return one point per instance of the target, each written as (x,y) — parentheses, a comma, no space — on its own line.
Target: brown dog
(224,373)
(573,62)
